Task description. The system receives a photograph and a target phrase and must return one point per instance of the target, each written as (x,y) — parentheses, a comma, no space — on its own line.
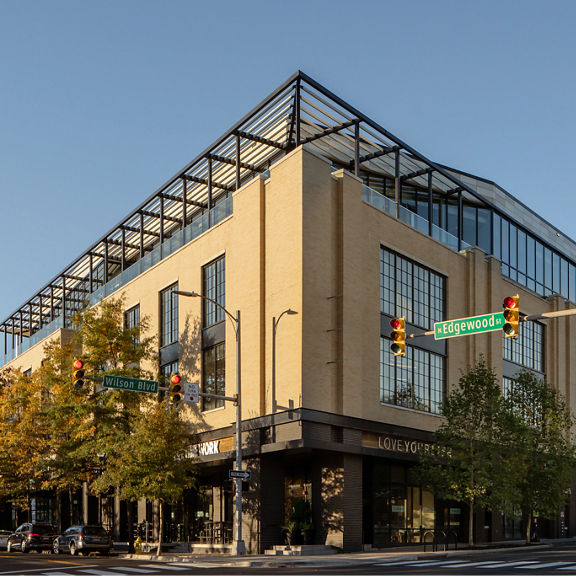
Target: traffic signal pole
(544,315)
(238,544)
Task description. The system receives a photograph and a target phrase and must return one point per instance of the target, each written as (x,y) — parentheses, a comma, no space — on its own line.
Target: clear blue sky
(101,101)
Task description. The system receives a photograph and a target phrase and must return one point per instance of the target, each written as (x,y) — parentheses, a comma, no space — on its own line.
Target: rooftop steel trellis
(299,112)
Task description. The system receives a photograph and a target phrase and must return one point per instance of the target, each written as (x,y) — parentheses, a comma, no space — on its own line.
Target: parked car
(4,538)
(31,536)
(82,540)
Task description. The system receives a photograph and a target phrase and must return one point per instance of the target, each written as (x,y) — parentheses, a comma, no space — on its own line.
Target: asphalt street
(550,559)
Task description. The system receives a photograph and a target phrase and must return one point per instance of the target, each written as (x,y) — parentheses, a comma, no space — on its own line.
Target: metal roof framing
(301,111)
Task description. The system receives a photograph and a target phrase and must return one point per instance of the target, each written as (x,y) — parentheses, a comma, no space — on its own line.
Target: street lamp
(275,322)
(238,546)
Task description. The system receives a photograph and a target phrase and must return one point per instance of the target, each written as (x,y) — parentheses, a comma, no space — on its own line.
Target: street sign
(191,392)
(132,384)
(467,326)
(244,474)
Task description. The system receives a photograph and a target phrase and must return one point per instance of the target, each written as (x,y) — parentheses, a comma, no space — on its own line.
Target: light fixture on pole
(275,322)
(238,545)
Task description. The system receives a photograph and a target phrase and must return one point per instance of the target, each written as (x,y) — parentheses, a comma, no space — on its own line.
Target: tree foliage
(541,454)
(502,452)
(465,458)
(53,436)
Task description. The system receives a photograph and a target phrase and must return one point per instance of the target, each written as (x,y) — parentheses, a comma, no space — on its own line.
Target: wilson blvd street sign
(467,326)
(132,384)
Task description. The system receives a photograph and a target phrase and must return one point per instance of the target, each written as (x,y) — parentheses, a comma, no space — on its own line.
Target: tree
(53,436)
(138,444)
(152,461)
(464,462)
(541,454)
(22,437)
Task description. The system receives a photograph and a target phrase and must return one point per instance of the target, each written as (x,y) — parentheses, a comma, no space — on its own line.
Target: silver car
(4,538)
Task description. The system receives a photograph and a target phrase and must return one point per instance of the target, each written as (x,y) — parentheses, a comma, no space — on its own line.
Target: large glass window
(214,375)
(416,382)
(168,316)
(528,349)
(214,283)
(132,320)
(410,290)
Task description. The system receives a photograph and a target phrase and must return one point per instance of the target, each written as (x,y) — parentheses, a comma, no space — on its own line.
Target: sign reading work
(467,326)
(132,384)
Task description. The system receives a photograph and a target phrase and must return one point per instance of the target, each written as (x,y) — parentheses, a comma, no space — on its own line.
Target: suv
(83,540)
(31,536)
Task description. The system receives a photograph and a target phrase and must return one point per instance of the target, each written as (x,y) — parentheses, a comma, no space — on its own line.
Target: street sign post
(192,392)
(132,384)
(244,474)
(467,326)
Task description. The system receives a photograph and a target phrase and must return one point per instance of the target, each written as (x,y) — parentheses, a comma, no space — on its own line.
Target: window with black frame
(528,349)
(214,375)
(214,333)
(213,286)
(132,321)
(168,316)
(410,290)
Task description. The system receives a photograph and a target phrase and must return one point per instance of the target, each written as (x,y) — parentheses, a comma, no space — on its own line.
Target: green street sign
(132,384)
(467,326)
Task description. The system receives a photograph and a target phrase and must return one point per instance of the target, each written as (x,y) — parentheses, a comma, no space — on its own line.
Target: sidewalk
(334,560)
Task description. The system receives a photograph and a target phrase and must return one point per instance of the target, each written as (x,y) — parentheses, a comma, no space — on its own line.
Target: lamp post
(238,545)
(275,322)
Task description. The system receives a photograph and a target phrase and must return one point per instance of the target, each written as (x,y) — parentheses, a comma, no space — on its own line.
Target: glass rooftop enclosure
(454,208)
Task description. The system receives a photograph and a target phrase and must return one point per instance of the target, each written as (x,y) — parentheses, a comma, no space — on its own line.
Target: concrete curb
(358,558)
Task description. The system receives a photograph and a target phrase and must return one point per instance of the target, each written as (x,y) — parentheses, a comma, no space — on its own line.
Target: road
(553,561)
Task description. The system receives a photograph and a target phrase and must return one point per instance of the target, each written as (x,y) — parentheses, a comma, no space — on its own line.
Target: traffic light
(175,389)
(511,316)
(398,336)
(78,374)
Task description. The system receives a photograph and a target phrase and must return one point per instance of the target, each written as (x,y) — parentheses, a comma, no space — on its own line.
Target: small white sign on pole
(191,392)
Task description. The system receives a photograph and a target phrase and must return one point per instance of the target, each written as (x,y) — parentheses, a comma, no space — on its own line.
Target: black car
(31,536)
(83,540)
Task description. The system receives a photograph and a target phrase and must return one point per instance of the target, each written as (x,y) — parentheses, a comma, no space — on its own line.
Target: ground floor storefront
(314,478)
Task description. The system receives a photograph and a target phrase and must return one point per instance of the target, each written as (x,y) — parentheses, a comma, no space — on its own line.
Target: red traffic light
(510,302)
(78,364)
(398,336)
(175,379)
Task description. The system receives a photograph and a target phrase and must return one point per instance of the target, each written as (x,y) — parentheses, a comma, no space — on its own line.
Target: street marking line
(548,565)
(48,571)
(511,564)
(167,566)
(475,564)
(135,570)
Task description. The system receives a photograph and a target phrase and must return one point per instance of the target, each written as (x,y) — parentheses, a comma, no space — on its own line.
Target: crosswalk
(154,569)
(483,564)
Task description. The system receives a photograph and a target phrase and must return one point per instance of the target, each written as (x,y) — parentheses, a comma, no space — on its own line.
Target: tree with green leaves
(53,436)
(541,455)
(465,461)
(23,437)
(151,462)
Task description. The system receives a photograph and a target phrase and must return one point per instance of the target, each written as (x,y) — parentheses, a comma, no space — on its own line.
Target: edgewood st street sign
(132,384)
(467,326)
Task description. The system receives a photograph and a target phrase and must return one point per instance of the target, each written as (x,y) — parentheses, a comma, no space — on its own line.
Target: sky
(102,101)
